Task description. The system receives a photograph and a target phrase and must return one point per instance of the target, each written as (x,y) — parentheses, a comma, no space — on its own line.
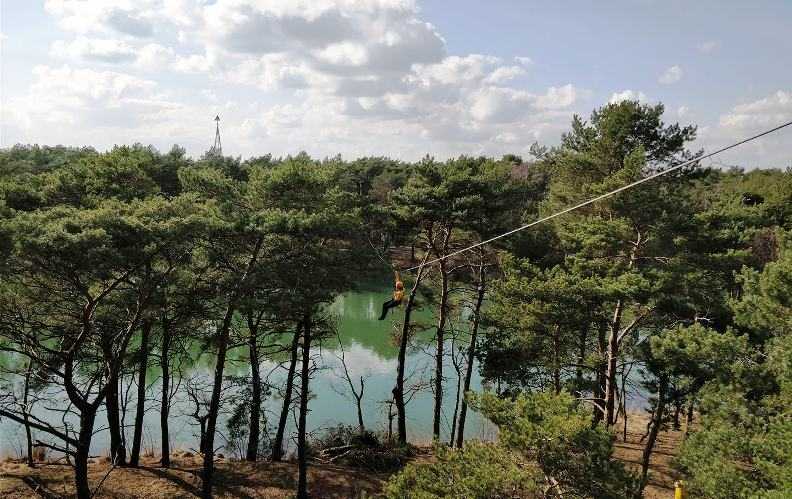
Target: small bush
(348,446)
(477,471)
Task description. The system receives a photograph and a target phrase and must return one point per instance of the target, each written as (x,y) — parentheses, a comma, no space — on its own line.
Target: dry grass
(234,479)
(237,479)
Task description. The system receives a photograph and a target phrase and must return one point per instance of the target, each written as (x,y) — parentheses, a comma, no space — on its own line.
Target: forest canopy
(117,264)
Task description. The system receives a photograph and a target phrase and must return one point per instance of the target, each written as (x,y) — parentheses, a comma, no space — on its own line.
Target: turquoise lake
(369,351)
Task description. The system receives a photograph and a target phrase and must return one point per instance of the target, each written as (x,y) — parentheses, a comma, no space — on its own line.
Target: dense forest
(118,265)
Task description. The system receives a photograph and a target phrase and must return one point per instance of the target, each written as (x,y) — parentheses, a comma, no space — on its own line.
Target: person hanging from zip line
(398,295)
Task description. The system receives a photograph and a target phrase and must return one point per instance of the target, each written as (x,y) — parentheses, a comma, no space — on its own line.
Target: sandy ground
(276,480)
(661,473)
(234,480)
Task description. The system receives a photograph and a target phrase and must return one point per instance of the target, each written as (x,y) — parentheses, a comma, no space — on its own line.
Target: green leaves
(743,446)
(556,433)
(477,471)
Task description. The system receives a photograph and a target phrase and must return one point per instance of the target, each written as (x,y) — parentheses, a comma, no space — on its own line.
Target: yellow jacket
(398,294)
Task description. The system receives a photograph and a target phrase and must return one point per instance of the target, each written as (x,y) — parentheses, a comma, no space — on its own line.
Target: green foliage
(477,471)
(692,281)
(536,318)
(555,432)
(702,353)
(744,445)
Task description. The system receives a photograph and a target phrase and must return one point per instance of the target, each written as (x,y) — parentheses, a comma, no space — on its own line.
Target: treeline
(114,264)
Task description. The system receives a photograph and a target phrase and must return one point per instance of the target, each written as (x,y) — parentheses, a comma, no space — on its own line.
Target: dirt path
(661,473)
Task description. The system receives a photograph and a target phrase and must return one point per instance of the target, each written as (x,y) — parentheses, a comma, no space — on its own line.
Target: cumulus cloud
(331,76)
(671,75)
(127,22)
(130,17)
(453,70)
(336,35)
(746,119)
(617,97)
(94,49)
(155,57)
(557,98)
(504,74)
(83,97)
(498,104)
(766,112)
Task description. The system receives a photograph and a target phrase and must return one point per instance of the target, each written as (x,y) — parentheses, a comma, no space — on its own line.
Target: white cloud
(335,35)
(453,70)
(93,49)
(497,104)
(129,17)
(683,111)
(84,97)
(343,54)
(557,98)
(155,57)
(708,46)
(671,75)
(334,76)
(504,74)
(270,71)
(770,111)
(617,97)
(747,119)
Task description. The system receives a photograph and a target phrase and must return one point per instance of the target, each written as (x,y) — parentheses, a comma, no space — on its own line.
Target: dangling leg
(386,306)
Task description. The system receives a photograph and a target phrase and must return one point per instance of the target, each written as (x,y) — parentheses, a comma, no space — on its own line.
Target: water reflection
(369,352)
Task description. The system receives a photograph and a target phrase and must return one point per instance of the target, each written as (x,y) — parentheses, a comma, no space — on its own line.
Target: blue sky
(392,77)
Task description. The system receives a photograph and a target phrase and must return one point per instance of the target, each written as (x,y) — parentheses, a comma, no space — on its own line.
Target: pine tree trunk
(117,450)
(624,405)
(404,340)
(452,438)
(302,460)
(255,403)
(165,402)
(677,411)
(581,357)
(145,332)
(202,439)
(390,422)
(441,322)
(214,406)
(599,411)
(556,359)
(222,350)
(25,401)
(612,363)
(398,390)
(611,385)
(471,356)
(82,452)
(689,417)
(277,446)
(657,422)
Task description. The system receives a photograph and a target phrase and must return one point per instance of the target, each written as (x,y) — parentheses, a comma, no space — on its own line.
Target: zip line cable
(602,196)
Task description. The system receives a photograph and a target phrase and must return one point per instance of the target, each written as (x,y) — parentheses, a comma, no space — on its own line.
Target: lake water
(369,352)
